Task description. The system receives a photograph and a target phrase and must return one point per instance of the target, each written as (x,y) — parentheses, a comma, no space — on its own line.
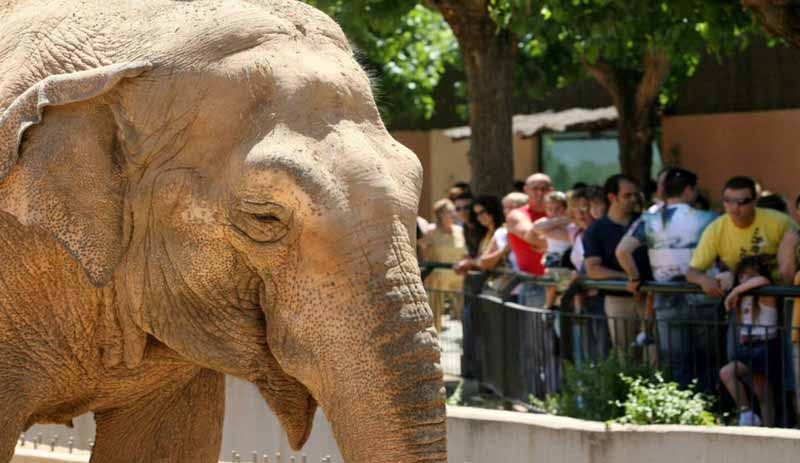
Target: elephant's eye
(263,223)
(266,218)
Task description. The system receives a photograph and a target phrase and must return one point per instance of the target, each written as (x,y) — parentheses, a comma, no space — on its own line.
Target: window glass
(583,157)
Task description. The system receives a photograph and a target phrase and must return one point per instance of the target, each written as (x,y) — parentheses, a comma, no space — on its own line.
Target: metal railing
(519,350)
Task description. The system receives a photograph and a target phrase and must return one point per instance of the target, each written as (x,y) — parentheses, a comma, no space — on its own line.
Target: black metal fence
(519,349)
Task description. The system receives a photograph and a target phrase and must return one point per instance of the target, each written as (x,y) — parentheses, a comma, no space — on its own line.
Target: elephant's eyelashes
(263,223)
(266,218)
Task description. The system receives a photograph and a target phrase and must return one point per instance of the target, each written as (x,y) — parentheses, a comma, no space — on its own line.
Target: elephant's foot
(181,422)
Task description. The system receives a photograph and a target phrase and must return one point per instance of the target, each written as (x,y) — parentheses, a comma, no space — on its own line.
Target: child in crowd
(757,353)
(553,228)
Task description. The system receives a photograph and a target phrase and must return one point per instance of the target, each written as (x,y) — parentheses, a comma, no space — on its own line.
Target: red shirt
(529,261)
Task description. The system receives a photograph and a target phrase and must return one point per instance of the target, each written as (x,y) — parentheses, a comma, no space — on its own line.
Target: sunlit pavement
(451,339)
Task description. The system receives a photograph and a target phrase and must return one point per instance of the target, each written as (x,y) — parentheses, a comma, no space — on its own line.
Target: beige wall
(418,141)
(445,162)
(764,145)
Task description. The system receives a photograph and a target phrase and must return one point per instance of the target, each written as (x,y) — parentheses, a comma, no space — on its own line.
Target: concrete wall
(764,145)
(445,162)
(486,436)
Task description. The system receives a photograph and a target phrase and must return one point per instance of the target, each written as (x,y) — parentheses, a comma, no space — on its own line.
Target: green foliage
(407,46)
(658,402)
(410,48)
(457,397)
(593,391)
(620,33)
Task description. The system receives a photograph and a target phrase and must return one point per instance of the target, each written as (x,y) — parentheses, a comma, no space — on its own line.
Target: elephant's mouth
(290,400)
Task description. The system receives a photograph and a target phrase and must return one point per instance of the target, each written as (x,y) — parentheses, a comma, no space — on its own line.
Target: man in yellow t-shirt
(744,230)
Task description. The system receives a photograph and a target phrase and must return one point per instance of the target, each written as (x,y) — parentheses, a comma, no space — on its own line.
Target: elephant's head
(222,166)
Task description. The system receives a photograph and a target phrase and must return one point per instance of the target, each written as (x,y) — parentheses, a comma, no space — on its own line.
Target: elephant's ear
(64,177)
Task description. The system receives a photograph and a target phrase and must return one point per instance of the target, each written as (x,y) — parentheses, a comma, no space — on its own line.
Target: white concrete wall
(487,436)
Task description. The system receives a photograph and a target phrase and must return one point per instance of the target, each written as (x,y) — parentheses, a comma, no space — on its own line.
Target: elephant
(193,189)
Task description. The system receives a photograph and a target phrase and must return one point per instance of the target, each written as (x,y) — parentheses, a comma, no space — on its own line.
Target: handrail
(620,285)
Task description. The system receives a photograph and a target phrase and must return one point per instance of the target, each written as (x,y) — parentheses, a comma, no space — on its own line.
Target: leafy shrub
(593,391)
(456,398)
(658,402)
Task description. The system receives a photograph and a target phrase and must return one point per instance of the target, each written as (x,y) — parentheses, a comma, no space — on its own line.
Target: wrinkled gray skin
(195,188)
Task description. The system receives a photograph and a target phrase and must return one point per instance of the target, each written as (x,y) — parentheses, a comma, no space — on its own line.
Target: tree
(407,48)
(488,53)
(779,17)
(632,51)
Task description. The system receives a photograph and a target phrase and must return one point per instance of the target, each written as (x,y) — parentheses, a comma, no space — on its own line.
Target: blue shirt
(601,240)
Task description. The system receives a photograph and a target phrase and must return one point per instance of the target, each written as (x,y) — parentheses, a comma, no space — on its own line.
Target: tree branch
(779,17)
(656,69)
(609,79)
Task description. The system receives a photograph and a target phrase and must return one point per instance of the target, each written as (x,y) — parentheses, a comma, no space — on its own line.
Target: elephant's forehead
(315,83)
(352,165)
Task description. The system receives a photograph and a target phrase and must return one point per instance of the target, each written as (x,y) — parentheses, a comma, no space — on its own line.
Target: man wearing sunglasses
(744,230)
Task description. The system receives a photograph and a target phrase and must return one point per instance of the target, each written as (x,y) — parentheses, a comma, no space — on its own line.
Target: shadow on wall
(249,427)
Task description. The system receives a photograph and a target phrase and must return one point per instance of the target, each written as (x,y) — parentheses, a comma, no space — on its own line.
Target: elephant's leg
(11,427)
(181,422)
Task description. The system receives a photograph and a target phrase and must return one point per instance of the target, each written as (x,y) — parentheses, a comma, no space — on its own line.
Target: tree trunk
(635,95)
(779,17)
(489,64)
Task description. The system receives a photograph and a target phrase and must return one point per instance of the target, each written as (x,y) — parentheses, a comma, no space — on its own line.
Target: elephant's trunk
(393,407)
(362,341)
(388,403)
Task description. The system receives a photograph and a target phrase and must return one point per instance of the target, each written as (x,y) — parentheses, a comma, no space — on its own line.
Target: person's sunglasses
(462,208)
(482,211)
(737,201)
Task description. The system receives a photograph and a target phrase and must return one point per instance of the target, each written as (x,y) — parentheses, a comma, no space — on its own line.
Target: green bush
(594,391)
(456,398)
(658,402)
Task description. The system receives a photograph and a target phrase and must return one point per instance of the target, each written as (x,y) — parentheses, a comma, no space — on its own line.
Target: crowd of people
(608,232)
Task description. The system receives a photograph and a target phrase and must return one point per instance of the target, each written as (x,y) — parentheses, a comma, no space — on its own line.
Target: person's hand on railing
(725,280)
(712,287)
(732,301)
(464,265)
(633,286)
